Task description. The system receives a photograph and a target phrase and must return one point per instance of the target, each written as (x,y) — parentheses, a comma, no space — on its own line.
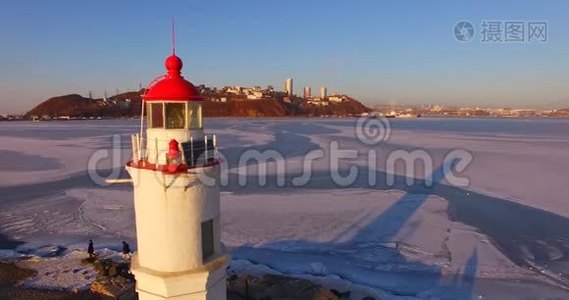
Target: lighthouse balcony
(157,154)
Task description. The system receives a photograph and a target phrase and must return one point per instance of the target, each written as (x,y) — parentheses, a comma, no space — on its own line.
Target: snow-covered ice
(503,237)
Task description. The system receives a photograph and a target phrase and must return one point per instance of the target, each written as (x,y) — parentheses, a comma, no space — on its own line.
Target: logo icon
(372,131)
(463,31)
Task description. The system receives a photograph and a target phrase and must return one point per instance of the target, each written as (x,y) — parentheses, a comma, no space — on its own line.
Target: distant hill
(564,112)
(76,106)
(347,107)
(68,105)
(245,108)
(129,105)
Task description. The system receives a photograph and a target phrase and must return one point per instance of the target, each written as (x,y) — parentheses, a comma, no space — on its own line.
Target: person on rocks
(91,249)
(125,250)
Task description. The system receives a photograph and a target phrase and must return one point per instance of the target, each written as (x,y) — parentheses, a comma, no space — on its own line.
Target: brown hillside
(245,108)
(68,105)
(345,108)
(74,105)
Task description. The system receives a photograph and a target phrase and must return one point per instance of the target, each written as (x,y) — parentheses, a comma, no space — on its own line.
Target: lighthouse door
(207,239)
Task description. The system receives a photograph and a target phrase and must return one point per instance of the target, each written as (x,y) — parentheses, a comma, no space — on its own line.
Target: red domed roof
(172,86)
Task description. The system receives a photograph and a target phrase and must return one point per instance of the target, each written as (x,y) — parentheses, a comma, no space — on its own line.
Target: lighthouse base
(207,283)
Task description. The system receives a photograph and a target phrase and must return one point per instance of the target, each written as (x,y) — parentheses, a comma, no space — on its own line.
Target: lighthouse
(179,253)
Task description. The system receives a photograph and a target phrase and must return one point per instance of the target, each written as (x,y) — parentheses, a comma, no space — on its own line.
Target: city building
(323,92)
(236,90)
(177,211)
(317,101)
(336,98)
(307,92)
(250,93)
(288,87)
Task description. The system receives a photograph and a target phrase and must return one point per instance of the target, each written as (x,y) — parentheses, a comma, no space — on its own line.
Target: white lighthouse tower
(177,215)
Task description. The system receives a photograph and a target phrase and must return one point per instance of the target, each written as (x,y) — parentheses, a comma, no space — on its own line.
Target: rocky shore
(112,280)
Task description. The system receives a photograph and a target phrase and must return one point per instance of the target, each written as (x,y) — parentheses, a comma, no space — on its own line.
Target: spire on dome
(173,86)
(173,36)
(173,63)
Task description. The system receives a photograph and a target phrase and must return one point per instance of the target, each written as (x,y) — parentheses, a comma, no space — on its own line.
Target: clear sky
(377,51)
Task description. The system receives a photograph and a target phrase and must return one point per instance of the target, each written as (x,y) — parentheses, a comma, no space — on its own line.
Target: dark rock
(279,287)
(341,295)
(113,271)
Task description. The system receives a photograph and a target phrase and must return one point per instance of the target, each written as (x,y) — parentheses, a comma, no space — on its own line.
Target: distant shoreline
(318,117)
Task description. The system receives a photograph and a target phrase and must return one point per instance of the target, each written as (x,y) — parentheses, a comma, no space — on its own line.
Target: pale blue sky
(376,51)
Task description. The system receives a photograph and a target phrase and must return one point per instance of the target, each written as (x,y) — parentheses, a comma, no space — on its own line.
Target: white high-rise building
(307,92)
(288,87)
(175,174)
(323,92)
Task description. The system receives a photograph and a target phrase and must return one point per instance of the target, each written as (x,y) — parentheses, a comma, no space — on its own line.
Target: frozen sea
(503,235)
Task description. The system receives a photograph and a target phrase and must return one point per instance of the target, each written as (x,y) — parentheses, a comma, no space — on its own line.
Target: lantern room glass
(175,115)
(194,116)
(155,115)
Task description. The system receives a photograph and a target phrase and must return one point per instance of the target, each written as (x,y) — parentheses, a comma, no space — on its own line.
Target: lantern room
(171,101)
(173,108)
